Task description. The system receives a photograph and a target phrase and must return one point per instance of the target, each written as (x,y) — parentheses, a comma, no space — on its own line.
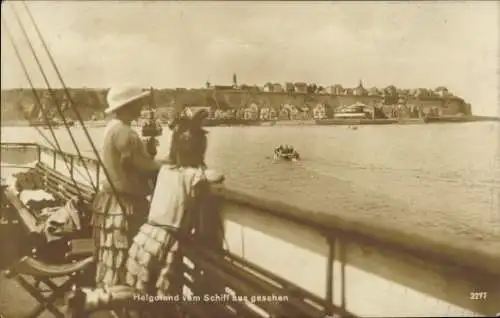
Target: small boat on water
(286,153)
(288,157)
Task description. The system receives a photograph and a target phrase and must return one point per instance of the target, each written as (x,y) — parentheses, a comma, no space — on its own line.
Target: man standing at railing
(121,206)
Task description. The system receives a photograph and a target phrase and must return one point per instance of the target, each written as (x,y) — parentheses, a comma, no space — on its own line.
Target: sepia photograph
(250,159)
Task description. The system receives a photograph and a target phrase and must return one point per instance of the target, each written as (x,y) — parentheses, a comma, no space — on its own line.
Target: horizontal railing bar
(253,280)
(44,169)
(57,186)
(16,166)
(21,144)
(209,289)
(211,286)
(228,277)
(328,225)
(286,284)
(66,193)
(67,154)
(240,308)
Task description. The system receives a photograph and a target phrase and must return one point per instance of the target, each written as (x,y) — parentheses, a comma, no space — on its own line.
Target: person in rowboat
(118,215)
(284,149)
(277,152)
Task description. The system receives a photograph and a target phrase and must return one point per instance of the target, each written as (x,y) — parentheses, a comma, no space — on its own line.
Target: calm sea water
(442,180)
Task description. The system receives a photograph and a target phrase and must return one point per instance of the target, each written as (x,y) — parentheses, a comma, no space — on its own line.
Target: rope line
(37,99)
(75,110)
(52,94)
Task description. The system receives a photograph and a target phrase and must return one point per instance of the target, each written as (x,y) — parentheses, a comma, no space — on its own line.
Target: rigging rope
(80,120)
(75,110)
(37,99)
(53,96)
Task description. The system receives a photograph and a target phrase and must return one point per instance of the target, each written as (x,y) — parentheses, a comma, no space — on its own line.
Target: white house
(278,88)
(251,112)
(319,111)
(267,113)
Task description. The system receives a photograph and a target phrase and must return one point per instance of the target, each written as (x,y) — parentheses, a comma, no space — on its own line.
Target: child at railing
(153,264)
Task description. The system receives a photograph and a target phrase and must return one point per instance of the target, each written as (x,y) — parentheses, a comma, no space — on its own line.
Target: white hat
(121,96)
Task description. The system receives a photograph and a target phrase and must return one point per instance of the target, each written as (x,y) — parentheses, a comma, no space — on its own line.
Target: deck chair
(32,273)
(68,274)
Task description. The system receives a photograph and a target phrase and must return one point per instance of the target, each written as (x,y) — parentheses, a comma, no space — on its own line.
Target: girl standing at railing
(121,206)
(153,264)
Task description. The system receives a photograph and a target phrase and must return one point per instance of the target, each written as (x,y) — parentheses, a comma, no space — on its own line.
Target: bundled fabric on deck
(60,221)
(28,180)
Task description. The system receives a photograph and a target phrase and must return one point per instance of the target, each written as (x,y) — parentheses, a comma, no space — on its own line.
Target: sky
(172,44)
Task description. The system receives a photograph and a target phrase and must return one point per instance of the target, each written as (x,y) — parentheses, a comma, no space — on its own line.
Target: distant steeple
(360,90)
(235,81)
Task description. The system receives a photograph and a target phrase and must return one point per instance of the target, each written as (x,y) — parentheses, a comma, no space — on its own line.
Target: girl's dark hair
(188,144)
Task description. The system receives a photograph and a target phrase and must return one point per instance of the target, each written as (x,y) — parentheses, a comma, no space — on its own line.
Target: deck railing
(341,267)
(67,164)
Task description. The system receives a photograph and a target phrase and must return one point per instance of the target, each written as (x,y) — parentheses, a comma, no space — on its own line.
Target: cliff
(19,104)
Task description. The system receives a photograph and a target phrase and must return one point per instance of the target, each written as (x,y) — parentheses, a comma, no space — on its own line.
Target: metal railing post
(39,153)
(329,276)
(98,173)
(71,166)
(54,159)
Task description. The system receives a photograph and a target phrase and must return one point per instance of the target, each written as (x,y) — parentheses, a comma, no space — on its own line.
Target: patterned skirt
(113,231)
(152,268)
(153,262)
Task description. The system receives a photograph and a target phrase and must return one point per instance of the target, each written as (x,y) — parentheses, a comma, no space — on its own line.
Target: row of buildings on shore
(337,89)
(273,101)
(318,112)
(389,102)
(302,101)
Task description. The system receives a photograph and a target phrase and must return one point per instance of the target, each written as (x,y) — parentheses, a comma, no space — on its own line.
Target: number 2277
(478,295)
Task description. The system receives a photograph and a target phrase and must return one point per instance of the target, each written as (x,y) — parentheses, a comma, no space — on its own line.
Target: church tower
(360,90)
